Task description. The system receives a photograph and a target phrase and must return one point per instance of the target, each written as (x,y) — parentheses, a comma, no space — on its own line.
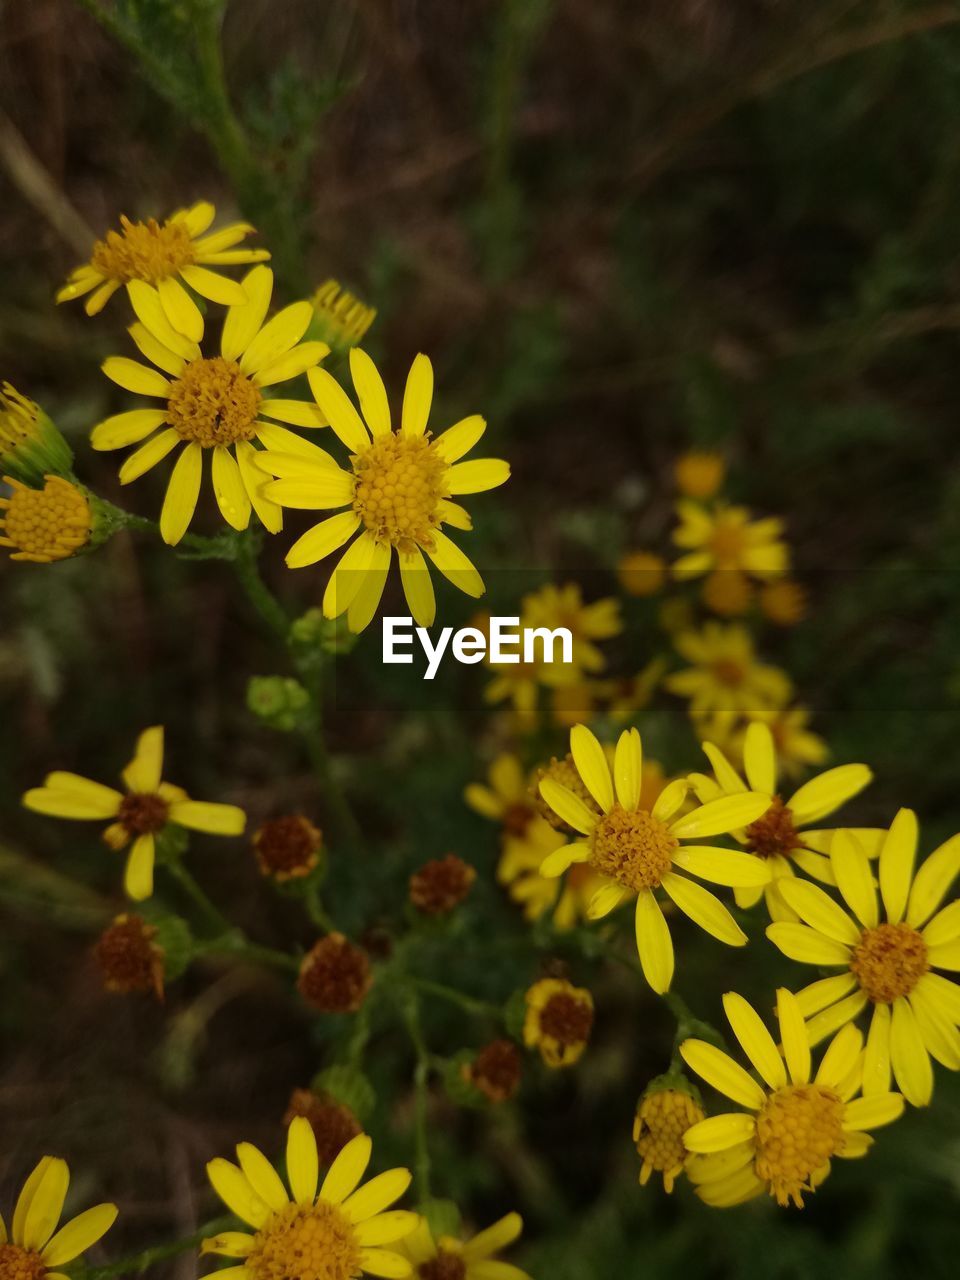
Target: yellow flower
(507,797)
(147,808)
(32,1251)
(213,403)
(558,1021)
(636,850)
(339,318)
(451,1259)
(794,1126)
(725,680)
(663,1117)
(797,747)
(338,1233)
(31,447)
(727,592)
(630,696)
(553,607)
(43,525)
(641,573)
(727,539)
(782,836)
(398,493)
(162,254)
(783,602)
(887,960)
(699,473)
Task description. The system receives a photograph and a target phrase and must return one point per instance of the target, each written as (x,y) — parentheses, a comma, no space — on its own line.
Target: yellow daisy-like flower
(725,679)
(663,1117)
(637,850)
(887,960)
(798,748)
(728,540)
(552,607)
(506,798)
(450,1259)
(398,492)
(519,872)
(140,815)
(43,525)
(641,573)
(699,473)
(794,1125)
(782,836)
(214,403)
(34,1249)
(162,254)
(339,317)
(558,1021)
(339,1232)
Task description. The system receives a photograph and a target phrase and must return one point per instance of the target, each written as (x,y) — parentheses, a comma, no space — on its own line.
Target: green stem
(421,1075)
(236,944)
(137,1263)
(198,896)
(316,910)
(477,1008)
(258,593)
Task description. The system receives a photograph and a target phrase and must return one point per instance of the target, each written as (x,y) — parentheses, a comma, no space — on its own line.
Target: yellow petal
(337,407)
(25,1198)
(830,1020)
(871,1113)
(719,1133)
(477,476)
(229,489)
(591,763)
(818,910)
(670,799)
(244,320)
(299,413)
(228,1244)
(46,1205)
(323,490)
(606,899)
(908,1056)
(824,992)
(290,457)
(67,795)
(493,1238)
(854,877)
(876,1058)
(144,773)
(214,819)
(828,791)
(728,778)
(567,806)
(254,481)
(459,439)
(343,1176)
(417,586)
(760,758)
(723,866)
(214,287)
(348,576)
(304,356)
(277,337)
(182,493)
(364,604)
(236,1192)
(933,880)
(896,863)
(560,860)
(148,455)
(840,1058)
(149,311)
(417,397)
(136,377)
(149,346)
(377,1194)
(138,873)
(628,769)
(383,1262)
(718,817)
(371,392)
(755,1040)
(79,1234)
(455,565)
(303,1161)
(793,1036)
(704,909)
(654,944)
(722,1073)
(387,1228)
(126,428)
(323,538)
(180,309)
(800,942)
(262,1176)
(944,927)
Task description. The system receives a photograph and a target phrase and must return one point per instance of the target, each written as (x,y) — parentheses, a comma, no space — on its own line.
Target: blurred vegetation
(618,231)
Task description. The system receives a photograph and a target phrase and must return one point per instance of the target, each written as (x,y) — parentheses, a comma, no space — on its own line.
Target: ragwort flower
(34,1249)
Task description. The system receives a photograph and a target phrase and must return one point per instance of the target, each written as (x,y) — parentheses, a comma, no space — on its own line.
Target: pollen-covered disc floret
(17,1263)
(149,250)
(889,961)
(773,832)
(799,1130)
(341,319)
(43,525)
(306,1242)
(213,402)
(663,1117)
(632,847)
(400,482)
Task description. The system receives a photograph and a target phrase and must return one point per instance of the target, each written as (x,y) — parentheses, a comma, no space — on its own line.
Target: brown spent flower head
(287,847)
(333,1124)
(558,1021)
(335,975)
(129,959)
(441,884)
(445,1266)
(496,1070)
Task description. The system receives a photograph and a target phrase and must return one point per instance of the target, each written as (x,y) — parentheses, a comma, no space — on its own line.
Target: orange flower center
(306,1242)
(729,672)
(151,251)
(660,1123)
(889,961)
(20,1264)
(45,524)
(773,832)
(727,542)
(142,813)
(400,481)
(632,847)
(799,1129)
(213,403)
(445,1266)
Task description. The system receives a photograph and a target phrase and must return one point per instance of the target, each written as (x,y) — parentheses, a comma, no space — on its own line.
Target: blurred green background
(619,230)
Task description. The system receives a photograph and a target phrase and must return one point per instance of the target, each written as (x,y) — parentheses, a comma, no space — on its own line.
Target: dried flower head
(441,884)
(333,1123)
(496,1070)
(335,975)
(129,958)
(287,847)
(558,1021)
